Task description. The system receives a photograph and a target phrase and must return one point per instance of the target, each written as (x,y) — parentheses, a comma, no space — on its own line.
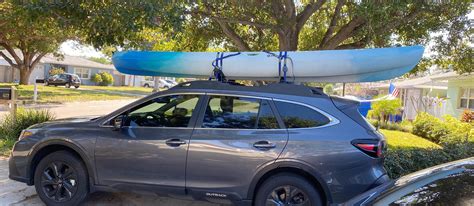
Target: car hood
(64,122)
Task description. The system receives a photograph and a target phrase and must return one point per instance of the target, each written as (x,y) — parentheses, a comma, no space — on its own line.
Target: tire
(77,182)
(278,182)
(46,83)
(146,85)
(67,85)
(76,87)
(166,87)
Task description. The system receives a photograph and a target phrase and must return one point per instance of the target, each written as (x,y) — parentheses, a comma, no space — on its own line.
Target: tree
(382,109)
(270,25)
(26,38)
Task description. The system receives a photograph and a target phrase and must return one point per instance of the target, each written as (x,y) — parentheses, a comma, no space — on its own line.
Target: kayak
(358,65)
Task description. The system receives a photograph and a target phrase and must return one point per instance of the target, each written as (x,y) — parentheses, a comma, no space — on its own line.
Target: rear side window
(298,116)
(238,113)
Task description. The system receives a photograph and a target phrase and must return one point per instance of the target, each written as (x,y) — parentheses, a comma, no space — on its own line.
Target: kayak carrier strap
(282,67)
(217,65)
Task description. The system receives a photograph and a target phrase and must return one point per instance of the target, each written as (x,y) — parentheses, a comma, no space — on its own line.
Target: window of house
(466,99)
(149,78)
(239,113)
(83,73)
(298,116)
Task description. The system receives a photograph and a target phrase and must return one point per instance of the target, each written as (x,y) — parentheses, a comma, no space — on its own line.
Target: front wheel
(287,189)
(76,87)
(61,179)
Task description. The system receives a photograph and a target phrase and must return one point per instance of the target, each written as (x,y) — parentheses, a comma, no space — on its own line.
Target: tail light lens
(373,148)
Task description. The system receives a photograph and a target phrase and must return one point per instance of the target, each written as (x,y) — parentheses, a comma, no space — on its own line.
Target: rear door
(233,138)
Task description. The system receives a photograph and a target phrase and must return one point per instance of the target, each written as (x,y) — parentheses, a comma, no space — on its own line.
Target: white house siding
(38,72)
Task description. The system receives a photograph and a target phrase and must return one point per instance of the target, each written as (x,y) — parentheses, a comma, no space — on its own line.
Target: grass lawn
(398,139)
(60,94)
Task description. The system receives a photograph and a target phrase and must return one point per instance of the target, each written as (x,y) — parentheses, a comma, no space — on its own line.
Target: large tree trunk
(25,73)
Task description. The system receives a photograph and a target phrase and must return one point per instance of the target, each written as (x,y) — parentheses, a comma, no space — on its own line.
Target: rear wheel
(287,189)
(46,83)
(146,85)
(76,87)
(61,179)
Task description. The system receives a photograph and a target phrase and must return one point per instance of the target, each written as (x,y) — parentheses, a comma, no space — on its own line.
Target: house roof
(75,61)
(421,83)
(66,60)
(452,75)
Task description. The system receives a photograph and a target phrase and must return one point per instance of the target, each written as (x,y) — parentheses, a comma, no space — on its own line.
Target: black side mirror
(118,122)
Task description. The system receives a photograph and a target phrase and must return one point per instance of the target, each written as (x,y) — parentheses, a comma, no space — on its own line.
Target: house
(81,66)
(460,92)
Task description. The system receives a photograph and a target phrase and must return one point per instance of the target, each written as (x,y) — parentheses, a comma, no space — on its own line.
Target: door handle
(175,142)
(264,145)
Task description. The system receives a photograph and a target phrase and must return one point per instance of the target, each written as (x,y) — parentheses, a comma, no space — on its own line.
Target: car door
(150,148)
(61,80)
(233,138)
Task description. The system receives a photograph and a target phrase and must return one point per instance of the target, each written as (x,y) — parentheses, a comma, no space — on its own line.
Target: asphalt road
(16,193)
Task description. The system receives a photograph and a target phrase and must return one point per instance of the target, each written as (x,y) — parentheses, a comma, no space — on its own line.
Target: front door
(234,137)
(150,149)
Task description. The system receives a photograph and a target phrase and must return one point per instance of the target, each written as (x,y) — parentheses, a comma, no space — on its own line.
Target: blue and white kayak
(359,65)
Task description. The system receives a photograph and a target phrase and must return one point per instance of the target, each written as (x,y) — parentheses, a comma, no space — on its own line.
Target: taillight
(373,148)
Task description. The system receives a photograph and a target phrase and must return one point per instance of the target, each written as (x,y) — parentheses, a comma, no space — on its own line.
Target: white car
(162,83)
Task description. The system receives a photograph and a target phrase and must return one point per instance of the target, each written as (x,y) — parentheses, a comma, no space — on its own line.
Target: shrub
(53,71)
(96,78)
(328,89)
(399,161)
(467,116)
(404,126)
(11,128)
(448,130)
(383,108)
(103,78)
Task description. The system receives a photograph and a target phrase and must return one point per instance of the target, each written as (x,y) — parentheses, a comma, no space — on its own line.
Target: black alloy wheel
(59,181)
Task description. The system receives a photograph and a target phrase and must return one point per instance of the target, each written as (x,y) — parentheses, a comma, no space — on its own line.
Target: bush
(328,89)
(96,78)
(403,126)
(448,130)
(10,129)
(383,108)
(103,78)
(53,71)
(400,161)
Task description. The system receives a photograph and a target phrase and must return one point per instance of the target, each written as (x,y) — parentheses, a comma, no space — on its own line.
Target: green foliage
(96,78)
(446,130)
(383,108)
(11,128)
(401,161)
(103,78)
(403,126)
(100,60)
(328,89)
(53,71)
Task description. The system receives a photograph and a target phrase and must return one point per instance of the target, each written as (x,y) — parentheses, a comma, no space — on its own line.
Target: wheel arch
(49,147)
(290,166)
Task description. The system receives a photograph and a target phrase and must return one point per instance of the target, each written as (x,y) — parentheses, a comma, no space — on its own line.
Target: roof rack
(276,88)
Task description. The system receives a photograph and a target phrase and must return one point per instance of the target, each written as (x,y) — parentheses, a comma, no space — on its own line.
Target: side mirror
(118,122)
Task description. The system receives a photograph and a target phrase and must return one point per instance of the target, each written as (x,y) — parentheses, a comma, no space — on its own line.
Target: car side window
(167,111)
(299,116)
(238,113)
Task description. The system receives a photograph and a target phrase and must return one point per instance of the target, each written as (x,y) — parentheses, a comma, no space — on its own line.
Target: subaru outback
(278,144)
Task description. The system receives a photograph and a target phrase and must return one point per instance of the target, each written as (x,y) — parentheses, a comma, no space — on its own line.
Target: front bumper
(14,172)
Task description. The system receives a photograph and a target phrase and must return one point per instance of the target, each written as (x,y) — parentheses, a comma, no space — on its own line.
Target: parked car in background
(66,79)
(163,83)
(278,144)
(447,184)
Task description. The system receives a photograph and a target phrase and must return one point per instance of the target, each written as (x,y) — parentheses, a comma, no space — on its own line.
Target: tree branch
(332,25)
(344,33)
(307,12)
(11,51)
(232,20)
(8,59)
(229,32)
(37,59)
(355,45)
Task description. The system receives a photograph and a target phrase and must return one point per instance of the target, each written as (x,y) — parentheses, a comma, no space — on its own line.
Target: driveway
(16,193)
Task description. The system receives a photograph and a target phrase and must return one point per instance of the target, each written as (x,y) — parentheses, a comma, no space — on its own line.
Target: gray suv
(278,144)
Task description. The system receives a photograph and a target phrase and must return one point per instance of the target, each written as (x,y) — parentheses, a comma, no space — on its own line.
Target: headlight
(26,133)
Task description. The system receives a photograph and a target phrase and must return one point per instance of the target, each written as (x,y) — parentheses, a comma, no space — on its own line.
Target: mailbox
(41,81)
(5,93)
